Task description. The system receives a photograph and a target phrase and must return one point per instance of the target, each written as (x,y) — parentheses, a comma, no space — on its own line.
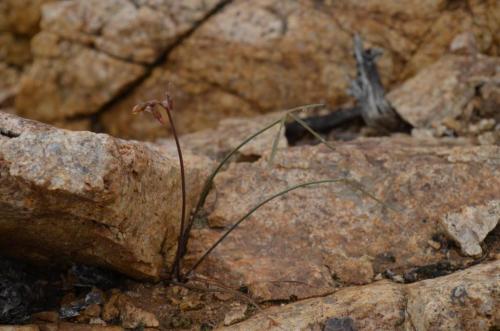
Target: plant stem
(177,262)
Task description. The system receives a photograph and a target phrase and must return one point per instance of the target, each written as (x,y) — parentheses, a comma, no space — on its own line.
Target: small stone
(49,326)
(489,138)
(434,244)
(96,321)
(398,279)
(339,324)
(110,311)
(236,314)
(223,296)
(19,328)
(132,316)
(191,302)
(470,225)
(93,310)
(464,43)
(483,125)
(46,316)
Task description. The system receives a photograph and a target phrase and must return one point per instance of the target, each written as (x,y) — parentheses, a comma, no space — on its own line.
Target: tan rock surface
(19,21)
(21,17)
(137,32)
(15,50)
(456,93)
(471,225)
(309,241)
(85,197)
(68,79)
(229,134)
(90,51)
(86,327)
(266,55)
(465,300)
(19,328)
(8,84)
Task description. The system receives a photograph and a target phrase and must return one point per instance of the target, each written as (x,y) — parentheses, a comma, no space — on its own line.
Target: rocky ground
(89,220)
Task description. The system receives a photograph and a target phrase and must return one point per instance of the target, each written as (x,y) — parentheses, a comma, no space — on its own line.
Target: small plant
(175,275)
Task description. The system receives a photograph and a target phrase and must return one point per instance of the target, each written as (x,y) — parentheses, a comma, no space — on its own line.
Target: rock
(8,85)
(87,197)
(68,79)
(449,92)
(133,32)
(267,55)
(339,324)
(235,314)
(46,316)
(465,300)
(88,53)
(471,225)
(48,326)
(378,306)
(110,310)
(19,328)
(311,240)
(15,50)
(21,17)
(120,305)
(465,43)
(191,103)
(87,327)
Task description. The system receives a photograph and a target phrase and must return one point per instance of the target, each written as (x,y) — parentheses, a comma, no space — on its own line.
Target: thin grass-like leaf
(276,141)
(351,182)
(209,181)
(308,128)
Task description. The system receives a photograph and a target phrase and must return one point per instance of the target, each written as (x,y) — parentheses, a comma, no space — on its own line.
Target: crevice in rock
(95,118)
(8,133)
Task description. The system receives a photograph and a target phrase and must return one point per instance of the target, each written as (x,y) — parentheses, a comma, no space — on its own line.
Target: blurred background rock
(84,64)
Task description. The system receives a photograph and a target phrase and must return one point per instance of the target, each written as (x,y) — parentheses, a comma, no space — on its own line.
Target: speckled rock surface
(21,17)
(469,226)
(458,95)
(466,300)
(68,79)
(89,52)
(19,21)
(84,197)
(311,240)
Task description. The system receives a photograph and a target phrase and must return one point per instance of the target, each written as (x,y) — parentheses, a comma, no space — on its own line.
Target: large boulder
(437,195)
(83,197)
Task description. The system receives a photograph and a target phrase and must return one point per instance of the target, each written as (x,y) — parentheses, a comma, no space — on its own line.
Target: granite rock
(311,240)
(83,197)
(466,300)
